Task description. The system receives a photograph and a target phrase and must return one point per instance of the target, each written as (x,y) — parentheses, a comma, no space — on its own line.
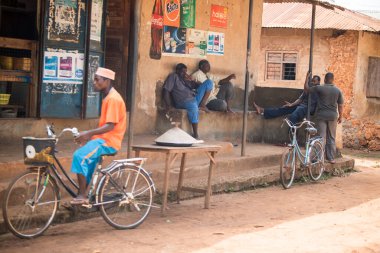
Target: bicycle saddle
(113,154)
(311,130)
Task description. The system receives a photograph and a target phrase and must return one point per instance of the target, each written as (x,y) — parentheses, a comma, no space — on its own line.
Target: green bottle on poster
(188,13)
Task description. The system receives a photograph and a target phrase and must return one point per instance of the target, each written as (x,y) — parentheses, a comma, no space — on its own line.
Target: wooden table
(171,155)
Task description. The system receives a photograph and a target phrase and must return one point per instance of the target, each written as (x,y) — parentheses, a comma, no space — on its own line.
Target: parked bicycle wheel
(30,204)
(316,161)
(287,168)
(128,195)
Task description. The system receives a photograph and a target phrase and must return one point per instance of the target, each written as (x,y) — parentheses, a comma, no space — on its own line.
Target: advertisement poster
(64,20)
(215,43)
(172,13)
(96,20)
(62,67)
(196,42)
(188,13)
(219,16)
(94,62)
(174,40)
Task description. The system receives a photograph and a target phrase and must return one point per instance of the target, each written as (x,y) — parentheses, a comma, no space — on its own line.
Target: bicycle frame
(297,150)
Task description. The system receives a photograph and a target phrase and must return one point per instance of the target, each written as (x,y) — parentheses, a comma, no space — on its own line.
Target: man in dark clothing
(329,113)
(186,94)
(297,109)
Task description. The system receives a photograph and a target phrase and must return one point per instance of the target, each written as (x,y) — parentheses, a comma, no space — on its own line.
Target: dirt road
(337,215)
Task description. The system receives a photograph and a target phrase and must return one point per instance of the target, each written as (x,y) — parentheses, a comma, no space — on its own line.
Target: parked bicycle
(313,159)
(122,191)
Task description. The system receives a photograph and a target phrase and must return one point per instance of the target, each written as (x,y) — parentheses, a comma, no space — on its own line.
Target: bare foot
(230,111)
(204,108)
(259,109)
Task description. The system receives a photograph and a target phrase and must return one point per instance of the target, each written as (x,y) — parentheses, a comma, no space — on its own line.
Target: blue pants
(297,113)
(87,157)
(192,106)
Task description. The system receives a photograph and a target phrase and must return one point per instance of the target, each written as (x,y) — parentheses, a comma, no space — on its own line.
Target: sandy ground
(337,215)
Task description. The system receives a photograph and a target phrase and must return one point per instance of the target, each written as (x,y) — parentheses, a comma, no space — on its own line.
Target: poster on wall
(219,16)
(215,43)
(196,42)
(63,67)
(64,20)
(96,20)
(94,62)
(174,40)
(188,13)
(172,13)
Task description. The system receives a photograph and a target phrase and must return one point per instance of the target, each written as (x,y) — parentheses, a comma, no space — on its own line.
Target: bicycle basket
(38,151)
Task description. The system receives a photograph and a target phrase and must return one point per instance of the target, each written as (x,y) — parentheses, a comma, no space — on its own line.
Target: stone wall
(362,127)
(343,59)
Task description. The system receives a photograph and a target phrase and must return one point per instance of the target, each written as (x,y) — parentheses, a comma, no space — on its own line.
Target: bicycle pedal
(88,206)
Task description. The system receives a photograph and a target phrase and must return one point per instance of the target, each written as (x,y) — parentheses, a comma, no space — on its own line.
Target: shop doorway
(19,22)
(119,16)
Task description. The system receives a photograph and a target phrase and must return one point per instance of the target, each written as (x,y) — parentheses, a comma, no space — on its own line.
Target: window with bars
(281,66)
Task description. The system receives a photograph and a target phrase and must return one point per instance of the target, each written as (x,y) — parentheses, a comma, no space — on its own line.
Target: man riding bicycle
(106,139)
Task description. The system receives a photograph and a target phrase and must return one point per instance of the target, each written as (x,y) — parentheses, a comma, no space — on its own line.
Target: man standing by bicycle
(329,113)
(106,139)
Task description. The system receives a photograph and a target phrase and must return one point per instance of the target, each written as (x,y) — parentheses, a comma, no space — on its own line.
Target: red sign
(157,21)
(219,16)
(172,13)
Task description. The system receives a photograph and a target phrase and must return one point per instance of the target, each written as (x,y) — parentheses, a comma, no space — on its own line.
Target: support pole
(312,30)
(135,32)
(246,89)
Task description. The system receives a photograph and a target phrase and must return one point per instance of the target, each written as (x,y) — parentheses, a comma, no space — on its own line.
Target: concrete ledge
(228,127)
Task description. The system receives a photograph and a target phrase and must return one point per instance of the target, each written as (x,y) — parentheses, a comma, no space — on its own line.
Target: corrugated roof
(298,15)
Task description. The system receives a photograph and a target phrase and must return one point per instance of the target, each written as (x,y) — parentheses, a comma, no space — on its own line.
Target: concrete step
(228,127)
(12,164)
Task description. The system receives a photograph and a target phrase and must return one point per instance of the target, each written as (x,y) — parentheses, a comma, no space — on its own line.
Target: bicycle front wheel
(316,161)
(126,197)
(287,168)
(30,204)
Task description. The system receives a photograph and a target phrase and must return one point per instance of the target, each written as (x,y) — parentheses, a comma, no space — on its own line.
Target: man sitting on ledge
(186,94)
(222,89)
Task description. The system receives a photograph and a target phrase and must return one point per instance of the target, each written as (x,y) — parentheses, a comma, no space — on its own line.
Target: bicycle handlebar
(290,124)
(51,133)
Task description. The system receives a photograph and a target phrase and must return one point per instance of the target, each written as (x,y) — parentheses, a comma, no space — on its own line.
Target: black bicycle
(123,191)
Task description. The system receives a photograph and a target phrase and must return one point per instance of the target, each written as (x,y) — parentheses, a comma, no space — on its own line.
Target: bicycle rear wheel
(316,161)
(127,196)
(287,168)
(30,204)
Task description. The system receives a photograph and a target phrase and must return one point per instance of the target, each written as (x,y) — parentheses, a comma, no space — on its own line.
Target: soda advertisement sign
(174,40)
(188,13)
(196,42)
(172,10)
(219,16)
(215,43)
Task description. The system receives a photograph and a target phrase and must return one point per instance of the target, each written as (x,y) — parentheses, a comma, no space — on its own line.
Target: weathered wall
(297,40)
(151,72)
(346,55)
(362,129)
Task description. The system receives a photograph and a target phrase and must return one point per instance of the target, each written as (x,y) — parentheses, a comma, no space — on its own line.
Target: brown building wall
(153,72)
(294,40)
(363,127)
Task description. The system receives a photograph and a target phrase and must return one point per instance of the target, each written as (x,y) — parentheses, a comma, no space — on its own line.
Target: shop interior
(18,57)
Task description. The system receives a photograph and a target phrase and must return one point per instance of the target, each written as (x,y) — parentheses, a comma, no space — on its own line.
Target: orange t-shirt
(113,111)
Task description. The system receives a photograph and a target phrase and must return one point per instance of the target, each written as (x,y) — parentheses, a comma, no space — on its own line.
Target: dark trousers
(297,113)
(226,93)
(327,130)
